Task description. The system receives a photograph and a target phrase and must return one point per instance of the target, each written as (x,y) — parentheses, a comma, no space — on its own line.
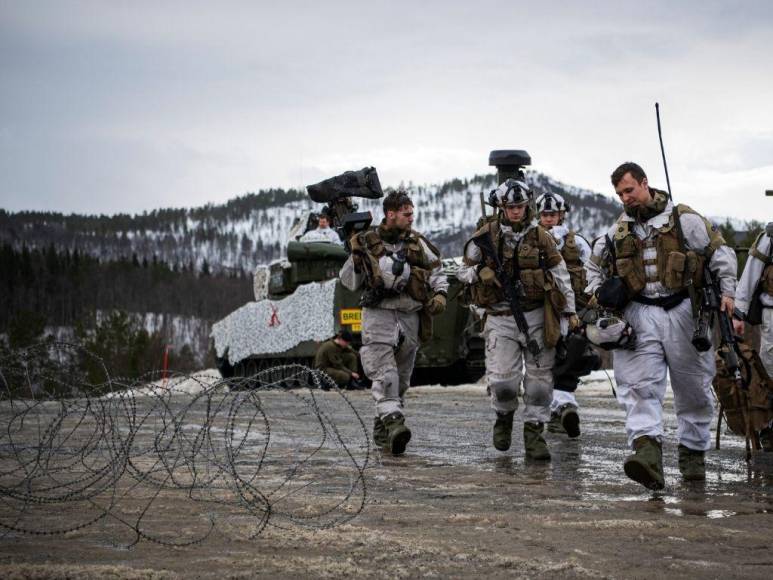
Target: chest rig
(675,267)
(528,261)
(369,246)
(571,254)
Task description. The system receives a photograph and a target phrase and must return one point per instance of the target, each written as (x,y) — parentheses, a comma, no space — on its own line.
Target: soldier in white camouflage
(754,303)
(403,285)
(575,250)
(527,253)
(655,252)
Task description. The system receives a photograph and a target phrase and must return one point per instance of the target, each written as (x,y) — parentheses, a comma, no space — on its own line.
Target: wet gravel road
(453,506)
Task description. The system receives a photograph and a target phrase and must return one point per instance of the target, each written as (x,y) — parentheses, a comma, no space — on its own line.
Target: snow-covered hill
(253,229)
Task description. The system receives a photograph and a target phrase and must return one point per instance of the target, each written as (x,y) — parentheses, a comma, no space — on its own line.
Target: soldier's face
(515,213)
(548,219)
(632,193)
(401,219)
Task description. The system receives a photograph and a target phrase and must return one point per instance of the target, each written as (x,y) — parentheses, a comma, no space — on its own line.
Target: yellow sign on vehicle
(353,317)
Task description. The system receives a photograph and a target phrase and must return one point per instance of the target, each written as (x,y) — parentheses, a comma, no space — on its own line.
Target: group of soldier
(528,276)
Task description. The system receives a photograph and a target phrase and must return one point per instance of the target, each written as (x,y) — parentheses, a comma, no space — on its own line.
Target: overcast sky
(126,106)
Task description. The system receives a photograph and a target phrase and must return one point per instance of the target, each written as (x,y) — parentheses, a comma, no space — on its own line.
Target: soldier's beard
(652,208)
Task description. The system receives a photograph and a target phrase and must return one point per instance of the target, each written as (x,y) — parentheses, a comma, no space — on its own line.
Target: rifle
(512,289)
(709,307)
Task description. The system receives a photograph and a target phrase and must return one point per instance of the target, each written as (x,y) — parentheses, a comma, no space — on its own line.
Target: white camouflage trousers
(505,354)
(663,344)
(561,398)
(390,339)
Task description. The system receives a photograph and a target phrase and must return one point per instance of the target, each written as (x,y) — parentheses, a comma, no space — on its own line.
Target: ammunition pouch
(629,272)
(679,269)
(533,284)
(673,270)
(418,285)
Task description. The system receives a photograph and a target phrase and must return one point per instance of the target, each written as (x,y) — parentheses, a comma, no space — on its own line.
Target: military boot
(534,443)
(691,464)
(645,466)
(554,425)
(503,430)
(397,433)
(566,420)
(570,420)
(380,437)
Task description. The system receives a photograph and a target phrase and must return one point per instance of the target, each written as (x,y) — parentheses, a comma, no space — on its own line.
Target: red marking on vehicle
(274,316)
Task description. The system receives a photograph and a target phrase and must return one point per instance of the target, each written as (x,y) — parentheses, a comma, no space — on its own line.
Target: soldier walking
(655,251)
(575,251)
(404,286)
(755,297)
(527,255)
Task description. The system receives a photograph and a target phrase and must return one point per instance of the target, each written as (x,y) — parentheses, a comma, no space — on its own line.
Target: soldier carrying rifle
(656,252)
(519,278)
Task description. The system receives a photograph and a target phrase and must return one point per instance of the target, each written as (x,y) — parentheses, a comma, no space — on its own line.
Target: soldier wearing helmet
(654,251)
(404,286)
(527,252)
(575,251)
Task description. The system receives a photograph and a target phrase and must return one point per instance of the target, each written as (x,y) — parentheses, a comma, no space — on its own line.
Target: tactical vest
(370,247)
(536,254)
(766,281)
(675,266)
(571,254)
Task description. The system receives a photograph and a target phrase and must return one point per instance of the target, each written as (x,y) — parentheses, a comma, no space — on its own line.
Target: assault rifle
(512,289)
(710,305)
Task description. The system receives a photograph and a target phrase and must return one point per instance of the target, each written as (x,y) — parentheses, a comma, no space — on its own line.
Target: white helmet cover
(610,333)
(551,202)
(511,191)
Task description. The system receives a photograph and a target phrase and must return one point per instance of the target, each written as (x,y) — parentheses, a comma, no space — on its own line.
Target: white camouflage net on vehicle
(274,326)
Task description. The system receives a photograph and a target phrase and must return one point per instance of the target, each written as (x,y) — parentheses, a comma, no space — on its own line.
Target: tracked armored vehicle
(299,301)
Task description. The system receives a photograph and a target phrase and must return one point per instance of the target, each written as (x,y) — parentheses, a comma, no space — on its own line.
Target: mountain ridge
(252,229)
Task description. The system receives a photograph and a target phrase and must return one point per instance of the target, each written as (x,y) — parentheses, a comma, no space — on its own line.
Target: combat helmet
(611,332)
(551,202)
(510,192)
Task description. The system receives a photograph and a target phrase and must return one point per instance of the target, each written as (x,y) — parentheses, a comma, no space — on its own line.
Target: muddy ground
(452,506)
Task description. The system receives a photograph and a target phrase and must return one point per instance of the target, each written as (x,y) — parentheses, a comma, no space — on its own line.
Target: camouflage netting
(274,326)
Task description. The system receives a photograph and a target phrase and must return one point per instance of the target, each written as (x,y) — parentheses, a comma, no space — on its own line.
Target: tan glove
(488,277)
(574,322)
(437,304)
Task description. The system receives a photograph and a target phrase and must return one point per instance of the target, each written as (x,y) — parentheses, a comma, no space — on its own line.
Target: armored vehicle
(299,301)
